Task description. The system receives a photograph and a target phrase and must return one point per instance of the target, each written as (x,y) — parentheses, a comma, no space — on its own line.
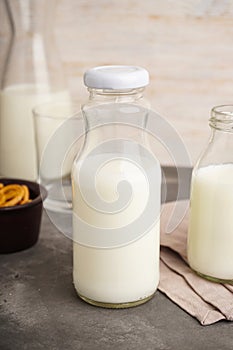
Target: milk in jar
(122,274)
(210,233)
(210,241)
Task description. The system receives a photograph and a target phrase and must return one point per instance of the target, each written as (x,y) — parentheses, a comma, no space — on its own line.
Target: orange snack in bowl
(25,198)
(13,194)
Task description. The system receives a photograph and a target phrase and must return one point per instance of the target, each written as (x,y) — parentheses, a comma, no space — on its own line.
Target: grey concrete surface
(39,309)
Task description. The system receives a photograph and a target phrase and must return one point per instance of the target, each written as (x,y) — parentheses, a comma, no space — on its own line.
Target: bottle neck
(221,137)
(221,140)
(32,57)
(115,106)
(221,123)
(29,18)
(115,114)
(116,96)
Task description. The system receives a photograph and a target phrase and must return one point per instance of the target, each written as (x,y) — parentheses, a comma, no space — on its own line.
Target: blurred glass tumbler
(56,131)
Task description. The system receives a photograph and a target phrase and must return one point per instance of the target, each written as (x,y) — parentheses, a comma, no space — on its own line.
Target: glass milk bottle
(116,193)
(32,75)
(210,235)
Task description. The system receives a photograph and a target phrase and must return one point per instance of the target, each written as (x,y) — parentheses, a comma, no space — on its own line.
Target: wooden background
(187,46)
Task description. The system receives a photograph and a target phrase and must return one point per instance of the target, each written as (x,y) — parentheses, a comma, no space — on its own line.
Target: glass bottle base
(214,279)
(116,305)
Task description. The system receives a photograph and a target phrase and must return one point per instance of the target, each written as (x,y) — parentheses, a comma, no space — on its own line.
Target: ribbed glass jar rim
(222,118)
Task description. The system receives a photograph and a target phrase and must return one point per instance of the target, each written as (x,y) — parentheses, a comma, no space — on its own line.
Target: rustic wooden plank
(187,47)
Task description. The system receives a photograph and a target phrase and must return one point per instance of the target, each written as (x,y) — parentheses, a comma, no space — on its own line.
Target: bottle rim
(222,117)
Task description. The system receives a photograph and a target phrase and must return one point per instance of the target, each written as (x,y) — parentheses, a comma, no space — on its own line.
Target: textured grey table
(40,310)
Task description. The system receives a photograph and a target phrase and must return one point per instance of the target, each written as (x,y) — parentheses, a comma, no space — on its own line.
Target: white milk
(210,237)
(125,273)
(17,141)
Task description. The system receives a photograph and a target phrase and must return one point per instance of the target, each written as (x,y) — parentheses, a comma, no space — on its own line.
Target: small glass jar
(210,235)
(116,194)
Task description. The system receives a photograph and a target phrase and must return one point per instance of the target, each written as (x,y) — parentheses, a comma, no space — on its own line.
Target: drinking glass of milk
(56,127)
(33,74)
(59,136)
(210,235)
(116,184)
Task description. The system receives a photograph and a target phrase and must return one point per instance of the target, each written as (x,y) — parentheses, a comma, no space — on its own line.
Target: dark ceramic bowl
(20,224)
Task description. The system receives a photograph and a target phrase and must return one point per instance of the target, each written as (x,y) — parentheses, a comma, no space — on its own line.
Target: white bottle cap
(116,77)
